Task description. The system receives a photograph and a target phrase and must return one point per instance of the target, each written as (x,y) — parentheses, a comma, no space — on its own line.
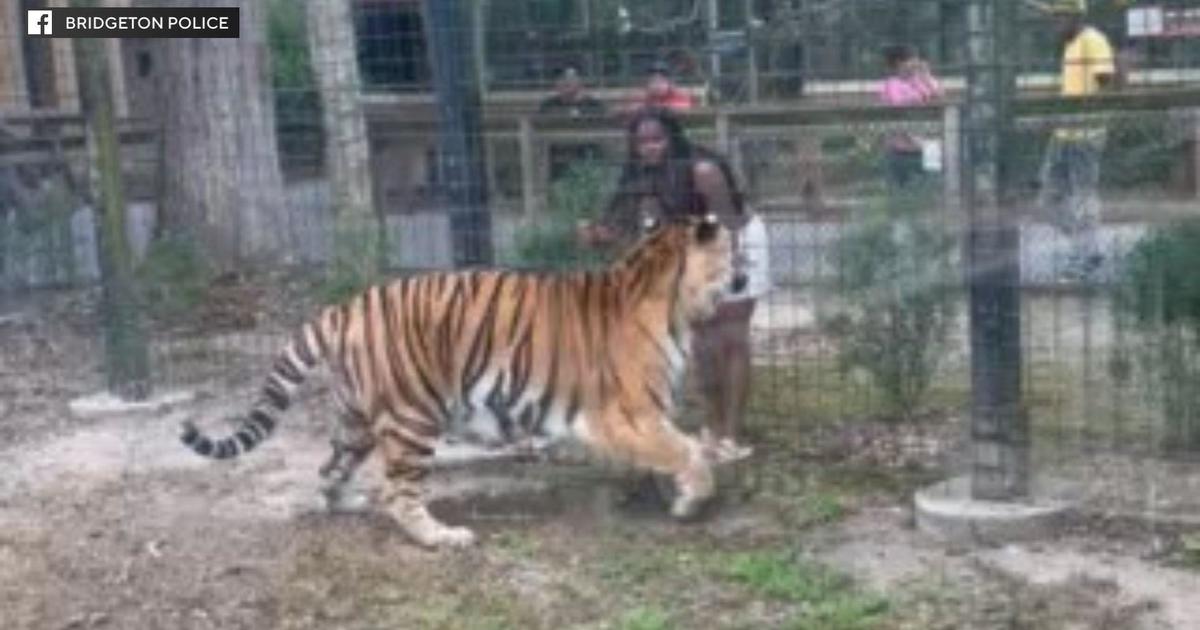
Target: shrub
(898,285)
(1158,295)
(550,243)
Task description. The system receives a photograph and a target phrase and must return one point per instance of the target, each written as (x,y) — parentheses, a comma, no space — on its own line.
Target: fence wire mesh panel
(175,212)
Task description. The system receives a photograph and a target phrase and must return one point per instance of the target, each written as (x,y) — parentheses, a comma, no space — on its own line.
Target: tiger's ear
(707,229)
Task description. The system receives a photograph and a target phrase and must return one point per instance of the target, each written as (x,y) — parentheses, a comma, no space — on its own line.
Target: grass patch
(336,585)
(823,508)
(824,599)
(1189,552)
(645,618)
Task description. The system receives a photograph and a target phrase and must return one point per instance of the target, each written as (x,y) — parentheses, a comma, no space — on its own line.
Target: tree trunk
(221,179)
(360,231)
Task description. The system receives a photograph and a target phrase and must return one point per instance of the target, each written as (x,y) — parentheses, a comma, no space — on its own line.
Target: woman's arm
(717,192)
(615,220)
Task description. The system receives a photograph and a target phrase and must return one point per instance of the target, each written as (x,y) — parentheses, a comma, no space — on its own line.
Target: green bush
(550,243)
(898,284)
(1158,296)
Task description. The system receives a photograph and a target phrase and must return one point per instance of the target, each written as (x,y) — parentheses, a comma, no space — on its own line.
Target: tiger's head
(693,257)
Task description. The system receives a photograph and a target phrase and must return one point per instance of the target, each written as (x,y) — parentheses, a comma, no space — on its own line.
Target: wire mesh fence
(861,351)
(868,318)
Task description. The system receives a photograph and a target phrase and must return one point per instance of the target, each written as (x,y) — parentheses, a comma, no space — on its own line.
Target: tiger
(591,355)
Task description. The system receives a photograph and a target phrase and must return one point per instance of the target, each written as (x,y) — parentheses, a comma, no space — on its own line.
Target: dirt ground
(110,523)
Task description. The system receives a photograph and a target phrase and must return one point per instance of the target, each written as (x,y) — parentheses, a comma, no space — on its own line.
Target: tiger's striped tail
(303,354)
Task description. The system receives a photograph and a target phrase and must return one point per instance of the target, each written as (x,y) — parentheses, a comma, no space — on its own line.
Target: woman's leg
(722,359)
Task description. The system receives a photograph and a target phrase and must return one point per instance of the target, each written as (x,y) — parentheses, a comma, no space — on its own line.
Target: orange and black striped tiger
(505,355)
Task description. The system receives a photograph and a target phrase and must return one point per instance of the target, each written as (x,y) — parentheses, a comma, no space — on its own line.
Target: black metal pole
(461,171)
(999,424)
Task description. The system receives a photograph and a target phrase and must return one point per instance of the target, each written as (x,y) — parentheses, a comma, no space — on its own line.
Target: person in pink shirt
(910,83)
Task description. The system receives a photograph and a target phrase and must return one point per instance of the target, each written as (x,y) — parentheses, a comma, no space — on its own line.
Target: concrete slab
(106,405)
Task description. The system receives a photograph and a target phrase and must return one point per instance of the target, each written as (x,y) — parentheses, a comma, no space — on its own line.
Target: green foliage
(1159,285)
(297,102)
(291,66)
(829,600)
(173,278)
(41,233)
(356,264)
(645,618)
(898,281)
(551,242)
(1158,294)
(1190,550)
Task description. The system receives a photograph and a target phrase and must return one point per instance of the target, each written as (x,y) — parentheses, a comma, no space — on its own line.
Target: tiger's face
(709,272)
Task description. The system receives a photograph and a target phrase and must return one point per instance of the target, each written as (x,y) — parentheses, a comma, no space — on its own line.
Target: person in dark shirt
(570,99)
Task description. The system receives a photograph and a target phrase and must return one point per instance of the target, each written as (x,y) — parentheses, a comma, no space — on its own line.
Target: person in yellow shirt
(1071,167)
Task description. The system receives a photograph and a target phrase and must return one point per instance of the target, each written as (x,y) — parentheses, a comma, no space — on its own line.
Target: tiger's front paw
(686,508)
(696,486)
(451,537)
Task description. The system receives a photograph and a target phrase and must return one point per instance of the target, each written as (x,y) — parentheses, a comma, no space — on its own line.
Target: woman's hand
(594,234)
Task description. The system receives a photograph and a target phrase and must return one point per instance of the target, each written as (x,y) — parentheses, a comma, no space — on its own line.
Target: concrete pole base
(946,510)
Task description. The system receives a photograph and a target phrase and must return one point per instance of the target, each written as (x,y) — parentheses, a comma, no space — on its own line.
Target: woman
(909,84)
(666,176)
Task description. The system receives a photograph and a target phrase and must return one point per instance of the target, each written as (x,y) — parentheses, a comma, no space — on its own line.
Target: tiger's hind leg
(406,459)
(352,444)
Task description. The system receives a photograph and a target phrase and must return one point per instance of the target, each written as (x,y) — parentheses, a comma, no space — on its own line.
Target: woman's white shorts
(753,260)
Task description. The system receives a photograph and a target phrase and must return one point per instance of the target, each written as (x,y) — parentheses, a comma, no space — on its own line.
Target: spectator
(666,176)
(1071,167)
(910,83)
(570,99)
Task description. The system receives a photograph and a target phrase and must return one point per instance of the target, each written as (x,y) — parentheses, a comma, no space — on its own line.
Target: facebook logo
(40,22)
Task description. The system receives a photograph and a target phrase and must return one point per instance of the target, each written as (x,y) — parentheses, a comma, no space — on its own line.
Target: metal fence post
(127,359)
(461,169)
(999,426)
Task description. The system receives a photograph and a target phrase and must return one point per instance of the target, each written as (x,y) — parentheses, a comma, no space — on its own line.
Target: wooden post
(722,124)
(729,145)
(14,95)
(751,51)
(116,65)
(952,185)
(528,167)
(713,14)
(1195,124)
(126,354)
(66,83)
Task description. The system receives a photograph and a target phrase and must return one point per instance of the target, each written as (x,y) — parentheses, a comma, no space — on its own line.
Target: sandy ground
(110,523)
